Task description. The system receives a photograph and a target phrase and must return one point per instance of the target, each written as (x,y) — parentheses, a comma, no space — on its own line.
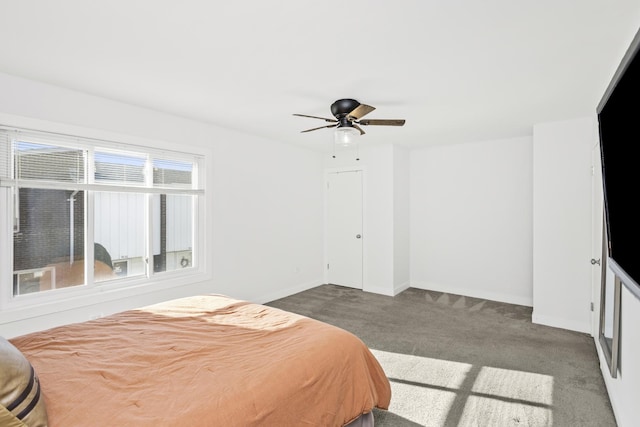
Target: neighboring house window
(89,213)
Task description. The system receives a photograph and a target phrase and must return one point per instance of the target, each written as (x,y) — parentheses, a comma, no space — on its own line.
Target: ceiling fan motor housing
(342,107)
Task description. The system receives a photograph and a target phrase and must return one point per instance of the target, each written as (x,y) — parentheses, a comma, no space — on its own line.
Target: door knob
(358,236)
(595,261)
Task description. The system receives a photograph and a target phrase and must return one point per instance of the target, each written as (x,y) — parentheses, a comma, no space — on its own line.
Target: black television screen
(619,126)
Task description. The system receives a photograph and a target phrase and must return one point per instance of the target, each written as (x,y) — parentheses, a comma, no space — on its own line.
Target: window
(84,214)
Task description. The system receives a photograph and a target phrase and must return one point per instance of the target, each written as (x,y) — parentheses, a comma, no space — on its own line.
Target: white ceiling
(457,71)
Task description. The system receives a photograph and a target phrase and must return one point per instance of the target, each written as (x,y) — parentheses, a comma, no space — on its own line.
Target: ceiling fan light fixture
(346,135)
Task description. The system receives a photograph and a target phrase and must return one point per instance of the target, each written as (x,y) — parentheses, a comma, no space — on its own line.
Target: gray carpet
(461,361)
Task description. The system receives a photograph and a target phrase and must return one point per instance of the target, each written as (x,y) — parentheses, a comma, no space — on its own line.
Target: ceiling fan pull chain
(357,150)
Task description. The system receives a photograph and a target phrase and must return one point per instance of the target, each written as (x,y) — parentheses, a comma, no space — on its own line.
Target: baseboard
(379,290)
(399,288)
(387,291)
(474,293)
(558,322)
(281,293)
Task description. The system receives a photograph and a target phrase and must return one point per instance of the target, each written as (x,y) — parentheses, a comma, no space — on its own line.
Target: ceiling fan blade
(361,111)
(362,132)
(382,122)
(321,127)
(316,117)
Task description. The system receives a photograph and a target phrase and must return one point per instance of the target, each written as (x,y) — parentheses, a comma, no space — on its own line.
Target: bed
(207,360)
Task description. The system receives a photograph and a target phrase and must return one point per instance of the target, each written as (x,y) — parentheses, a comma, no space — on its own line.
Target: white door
(344,229)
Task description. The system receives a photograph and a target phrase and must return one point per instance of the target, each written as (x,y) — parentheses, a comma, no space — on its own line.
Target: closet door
(344,229)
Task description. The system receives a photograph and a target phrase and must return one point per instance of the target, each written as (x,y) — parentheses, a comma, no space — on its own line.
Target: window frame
(13,307)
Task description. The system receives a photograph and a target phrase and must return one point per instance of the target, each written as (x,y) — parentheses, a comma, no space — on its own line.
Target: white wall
(471,219)
(562,228)
(378,220)
(401,219)
(265,213)
(268,219)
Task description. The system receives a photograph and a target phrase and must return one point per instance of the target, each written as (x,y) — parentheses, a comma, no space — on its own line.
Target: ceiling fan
(348,115)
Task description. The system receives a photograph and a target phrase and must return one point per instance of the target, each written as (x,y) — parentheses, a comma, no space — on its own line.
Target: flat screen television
(619,127)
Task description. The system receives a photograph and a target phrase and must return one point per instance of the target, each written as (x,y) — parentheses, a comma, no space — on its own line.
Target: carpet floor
(461,361)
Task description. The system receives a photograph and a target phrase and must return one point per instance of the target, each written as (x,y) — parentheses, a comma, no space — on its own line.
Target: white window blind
(119,168)
(49,160)
(5,155)
(33,161)
(172,173)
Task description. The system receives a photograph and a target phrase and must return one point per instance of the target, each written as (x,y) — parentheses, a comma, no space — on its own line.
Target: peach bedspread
(204,361)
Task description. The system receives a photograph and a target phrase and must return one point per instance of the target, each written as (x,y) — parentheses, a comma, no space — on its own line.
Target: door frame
(325,251)
(598,272)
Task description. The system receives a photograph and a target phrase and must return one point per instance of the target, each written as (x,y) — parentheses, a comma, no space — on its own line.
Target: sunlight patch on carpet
(437,392)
